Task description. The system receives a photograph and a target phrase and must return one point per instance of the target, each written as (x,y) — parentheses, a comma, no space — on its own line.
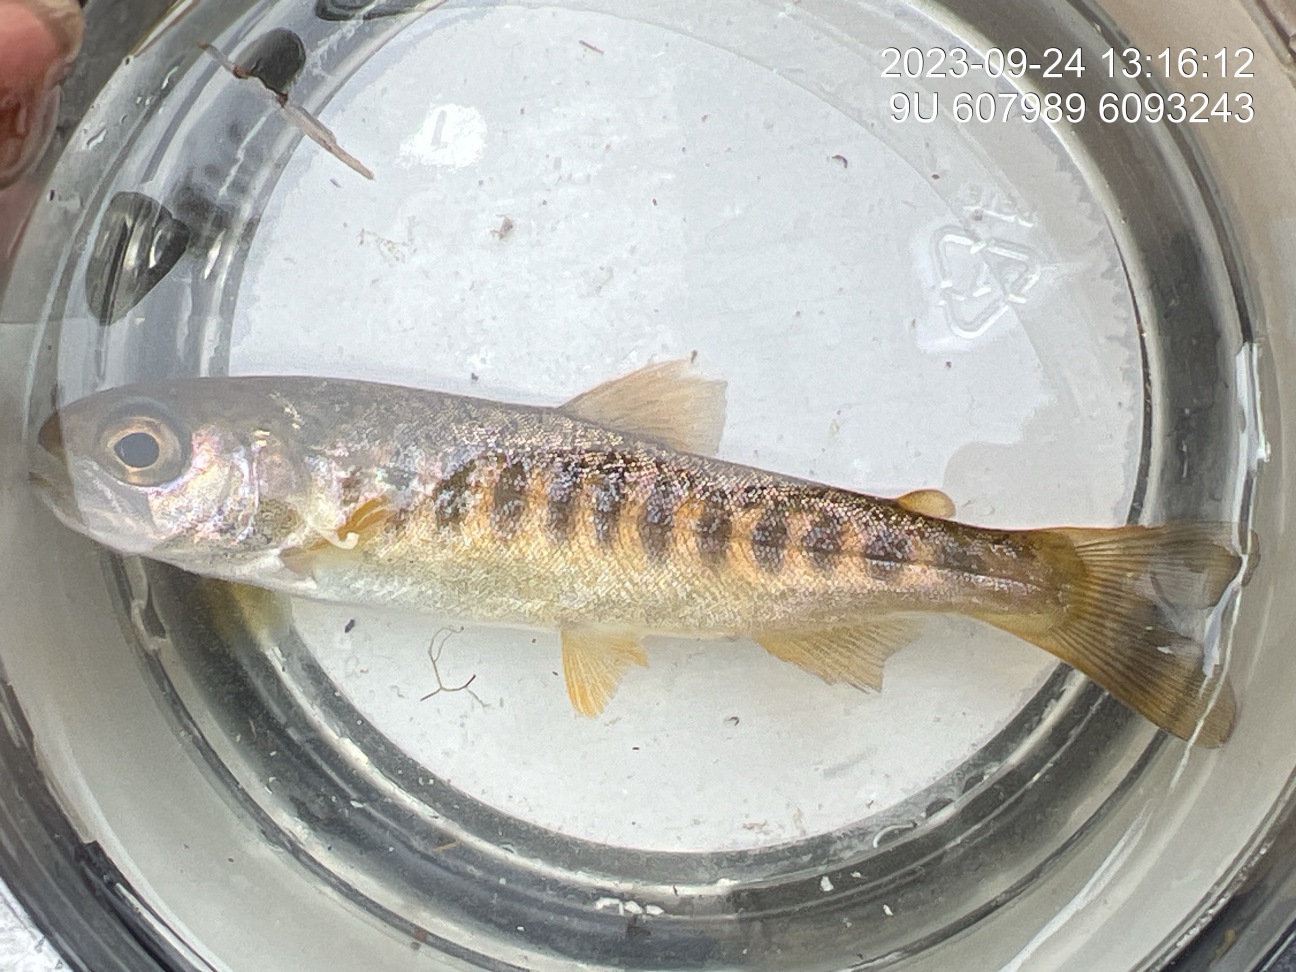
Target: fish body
(608,519)
(529,516)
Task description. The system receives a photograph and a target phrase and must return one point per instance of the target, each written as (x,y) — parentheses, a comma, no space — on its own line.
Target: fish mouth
(83,496)
(48,469)
(50,436)
(83,502)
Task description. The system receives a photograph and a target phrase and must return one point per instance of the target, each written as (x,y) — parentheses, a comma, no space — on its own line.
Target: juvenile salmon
(607,519)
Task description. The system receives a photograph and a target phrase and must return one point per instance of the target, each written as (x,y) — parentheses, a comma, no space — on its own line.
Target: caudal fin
(1133,609)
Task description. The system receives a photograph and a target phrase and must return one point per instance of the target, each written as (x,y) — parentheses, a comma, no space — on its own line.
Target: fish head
(173,472)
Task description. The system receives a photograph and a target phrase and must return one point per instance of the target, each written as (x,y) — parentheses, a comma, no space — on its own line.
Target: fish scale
(714,542)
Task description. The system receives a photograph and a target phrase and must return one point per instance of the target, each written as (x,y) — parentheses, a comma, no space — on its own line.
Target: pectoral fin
(593,663)
(928,502)
(662,401)
(852,654)
(364,523)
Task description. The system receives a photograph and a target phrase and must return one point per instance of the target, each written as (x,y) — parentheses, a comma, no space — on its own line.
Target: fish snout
(47,468)
(50,436)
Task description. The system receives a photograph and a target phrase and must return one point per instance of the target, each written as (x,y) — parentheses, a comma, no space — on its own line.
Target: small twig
(223,61)
(315,130)
(590,47)
(299,118)
(434,656)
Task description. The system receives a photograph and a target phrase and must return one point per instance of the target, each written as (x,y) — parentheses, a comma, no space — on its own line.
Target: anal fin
(593,663)
(854,654)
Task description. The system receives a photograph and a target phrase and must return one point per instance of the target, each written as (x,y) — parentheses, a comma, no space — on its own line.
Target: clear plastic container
(1062,320)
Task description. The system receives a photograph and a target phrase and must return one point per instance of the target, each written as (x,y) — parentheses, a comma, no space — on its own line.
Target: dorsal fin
(665,401)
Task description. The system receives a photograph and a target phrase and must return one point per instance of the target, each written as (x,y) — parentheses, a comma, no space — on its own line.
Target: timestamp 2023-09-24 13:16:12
(1013,65)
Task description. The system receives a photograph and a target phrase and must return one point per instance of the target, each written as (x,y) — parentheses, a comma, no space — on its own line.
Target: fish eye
(144,448)
(138,450)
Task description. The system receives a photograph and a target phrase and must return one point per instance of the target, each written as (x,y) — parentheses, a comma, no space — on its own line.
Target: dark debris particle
(275,59)
(936,806)
(505,229)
